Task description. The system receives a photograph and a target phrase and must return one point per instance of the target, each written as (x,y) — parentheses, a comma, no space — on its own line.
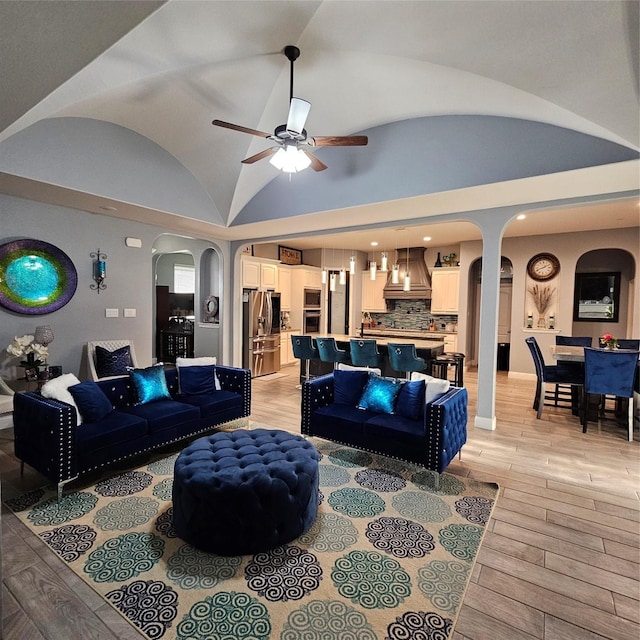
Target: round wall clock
(35,277)
(543,266)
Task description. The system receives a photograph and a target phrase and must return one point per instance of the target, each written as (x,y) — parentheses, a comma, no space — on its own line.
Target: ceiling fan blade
(298,112)
(316,163)
(259,156)
(338,141)
(237,127)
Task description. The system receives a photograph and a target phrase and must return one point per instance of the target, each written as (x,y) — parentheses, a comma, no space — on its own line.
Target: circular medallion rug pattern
(388,558)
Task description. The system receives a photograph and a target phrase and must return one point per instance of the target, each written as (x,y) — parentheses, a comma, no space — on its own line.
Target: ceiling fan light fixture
(298,112)
(290,159)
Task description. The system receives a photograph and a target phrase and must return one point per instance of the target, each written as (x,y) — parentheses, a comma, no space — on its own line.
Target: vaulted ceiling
(165,70)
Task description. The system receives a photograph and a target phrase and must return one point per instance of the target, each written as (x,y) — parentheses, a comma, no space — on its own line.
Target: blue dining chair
(609,373)
(628,343)
(550,374)
(564,393)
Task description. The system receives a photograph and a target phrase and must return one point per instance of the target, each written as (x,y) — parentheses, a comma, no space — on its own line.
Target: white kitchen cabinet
(286,349)
(258,274)
(445,286)
(450,343)
(284,286)
(372,292)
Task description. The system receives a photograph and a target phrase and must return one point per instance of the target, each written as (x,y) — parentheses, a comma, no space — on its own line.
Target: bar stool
(403,358)
(364,353)
(441,363)
(329,352)
(304,349)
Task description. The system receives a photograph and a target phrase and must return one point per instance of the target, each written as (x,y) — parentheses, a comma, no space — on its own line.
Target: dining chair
(609,373)
(564,393)
(549,374)
(628,343)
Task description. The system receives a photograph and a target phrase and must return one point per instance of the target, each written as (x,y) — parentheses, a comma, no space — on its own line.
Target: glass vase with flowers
(32,353)
(607,341)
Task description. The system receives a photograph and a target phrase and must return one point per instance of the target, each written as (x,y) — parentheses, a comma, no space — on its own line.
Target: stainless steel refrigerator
(261,331)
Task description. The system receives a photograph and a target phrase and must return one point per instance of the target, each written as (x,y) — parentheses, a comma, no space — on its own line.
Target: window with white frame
(184,278)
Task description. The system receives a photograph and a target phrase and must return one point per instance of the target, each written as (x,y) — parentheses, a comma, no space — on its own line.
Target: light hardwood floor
(560,560)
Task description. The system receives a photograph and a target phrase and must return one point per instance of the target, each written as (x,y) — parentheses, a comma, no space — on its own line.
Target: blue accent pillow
(410,402)
(197,380)
(348,386)
(150,384)
(380,395)
(113,363)
(92,403)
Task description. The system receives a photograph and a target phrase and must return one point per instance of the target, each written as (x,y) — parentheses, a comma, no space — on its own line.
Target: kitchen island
(427,349)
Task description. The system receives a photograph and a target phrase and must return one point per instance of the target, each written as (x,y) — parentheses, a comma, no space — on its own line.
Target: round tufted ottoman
(241,492)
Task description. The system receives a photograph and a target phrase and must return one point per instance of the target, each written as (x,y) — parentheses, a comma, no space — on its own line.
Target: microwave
(312,298)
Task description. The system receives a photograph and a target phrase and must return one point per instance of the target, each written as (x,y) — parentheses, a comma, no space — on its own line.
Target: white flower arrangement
(26,347)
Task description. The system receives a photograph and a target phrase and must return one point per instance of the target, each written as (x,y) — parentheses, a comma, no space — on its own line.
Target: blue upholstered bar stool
(304,349)
(364,353)
(403,358)
(329,352)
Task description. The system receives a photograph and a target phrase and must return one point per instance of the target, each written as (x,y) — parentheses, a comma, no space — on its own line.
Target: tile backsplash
(413,315)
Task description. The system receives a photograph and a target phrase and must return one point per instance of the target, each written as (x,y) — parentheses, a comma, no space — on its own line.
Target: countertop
(420,343)
(421,334)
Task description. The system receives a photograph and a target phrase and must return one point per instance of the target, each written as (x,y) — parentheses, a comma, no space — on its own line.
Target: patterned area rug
(389,557)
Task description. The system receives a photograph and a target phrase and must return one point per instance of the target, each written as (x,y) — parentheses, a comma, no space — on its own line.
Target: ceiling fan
(291,153)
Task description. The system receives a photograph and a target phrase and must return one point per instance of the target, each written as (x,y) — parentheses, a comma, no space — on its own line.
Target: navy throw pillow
(150,384)
(380,395)
(197,380)
(113,363)
(92,403)
(348,386)
(410,402)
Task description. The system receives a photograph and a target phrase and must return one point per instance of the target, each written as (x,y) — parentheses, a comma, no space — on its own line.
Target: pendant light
(352,266)
(372,269)
(343,271)
(323,273)
(395,269)
(407,278)
(383,262)
(332,282)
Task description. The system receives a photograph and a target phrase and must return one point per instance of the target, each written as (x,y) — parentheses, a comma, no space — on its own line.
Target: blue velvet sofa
(48,438)
(427,431)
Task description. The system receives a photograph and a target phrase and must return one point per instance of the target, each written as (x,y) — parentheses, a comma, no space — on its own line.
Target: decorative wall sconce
(99,270)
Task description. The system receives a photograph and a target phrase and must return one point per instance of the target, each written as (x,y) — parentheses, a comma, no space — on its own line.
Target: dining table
(574,353)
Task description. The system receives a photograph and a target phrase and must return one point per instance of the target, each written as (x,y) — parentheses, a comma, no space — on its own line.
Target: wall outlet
(129,313)
(111,313)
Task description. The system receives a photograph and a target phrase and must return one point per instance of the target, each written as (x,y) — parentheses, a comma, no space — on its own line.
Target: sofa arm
(316,393)
(446,427)
(239,381)
(45,436)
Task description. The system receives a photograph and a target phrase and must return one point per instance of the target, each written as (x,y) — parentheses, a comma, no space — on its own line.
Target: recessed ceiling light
(374,244)
(426,239)
(521,217)
(106,208)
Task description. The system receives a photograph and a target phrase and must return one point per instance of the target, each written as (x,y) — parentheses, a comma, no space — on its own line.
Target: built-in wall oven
(311,321)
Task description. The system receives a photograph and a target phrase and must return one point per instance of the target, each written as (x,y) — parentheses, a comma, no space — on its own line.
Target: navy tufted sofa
(242,492)
(47,438)
(432,439)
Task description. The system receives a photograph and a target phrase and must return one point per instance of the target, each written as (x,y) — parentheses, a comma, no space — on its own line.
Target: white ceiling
(165,70)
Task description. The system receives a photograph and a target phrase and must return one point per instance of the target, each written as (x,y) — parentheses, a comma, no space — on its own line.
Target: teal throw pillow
(150,384)
(91,401)
(380,395)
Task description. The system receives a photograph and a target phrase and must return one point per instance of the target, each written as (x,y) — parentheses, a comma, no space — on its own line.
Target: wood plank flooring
(560,560)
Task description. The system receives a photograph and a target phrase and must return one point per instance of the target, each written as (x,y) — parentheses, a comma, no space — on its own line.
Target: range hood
(418,272)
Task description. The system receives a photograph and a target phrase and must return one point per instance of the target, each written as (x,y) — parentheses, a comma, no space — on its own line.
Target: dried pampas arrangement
(541,297)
